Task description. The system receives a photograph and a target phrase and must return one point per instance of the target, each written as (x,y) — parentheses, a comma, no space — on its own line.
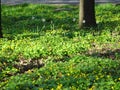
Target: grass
(43,48)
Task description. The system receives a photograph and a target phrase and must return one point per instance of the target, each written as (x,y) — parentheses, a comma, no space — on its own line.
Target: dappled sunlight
(43,48)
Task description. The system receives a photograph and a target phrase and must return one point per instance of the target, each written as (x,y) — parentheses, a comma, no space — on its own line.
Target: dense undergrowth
(43,48)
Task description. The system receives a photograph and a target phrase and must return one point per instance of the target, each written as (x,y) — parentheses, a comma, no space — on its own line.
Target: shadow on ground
(110,54)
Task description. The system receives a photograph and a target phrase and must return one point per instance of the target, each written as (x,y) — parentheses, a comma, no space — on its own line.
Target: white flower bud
(33,17)
(43,20)
(74,19)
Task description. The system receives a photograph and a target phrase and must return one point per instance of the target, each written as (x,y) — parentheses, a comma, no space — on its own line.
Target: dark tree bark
(87,13)
(1,35)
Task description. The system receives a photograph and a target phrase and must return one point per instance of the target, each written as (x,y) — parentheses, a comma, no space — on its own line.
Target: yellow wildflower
(97,78)
(92,88)
(118,78)
(29,71)
(52,88)
(112,88)
(59,87)
(40,88)
(68,74)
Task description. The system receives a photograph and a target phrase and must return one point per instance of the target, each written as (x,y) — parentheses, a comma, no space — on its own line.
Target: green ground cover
(43,49)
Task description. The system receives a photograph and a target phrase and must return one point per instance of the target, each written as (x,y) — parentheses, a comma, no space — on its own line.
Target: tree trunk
(81,13)
(87,13)
(1,35)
